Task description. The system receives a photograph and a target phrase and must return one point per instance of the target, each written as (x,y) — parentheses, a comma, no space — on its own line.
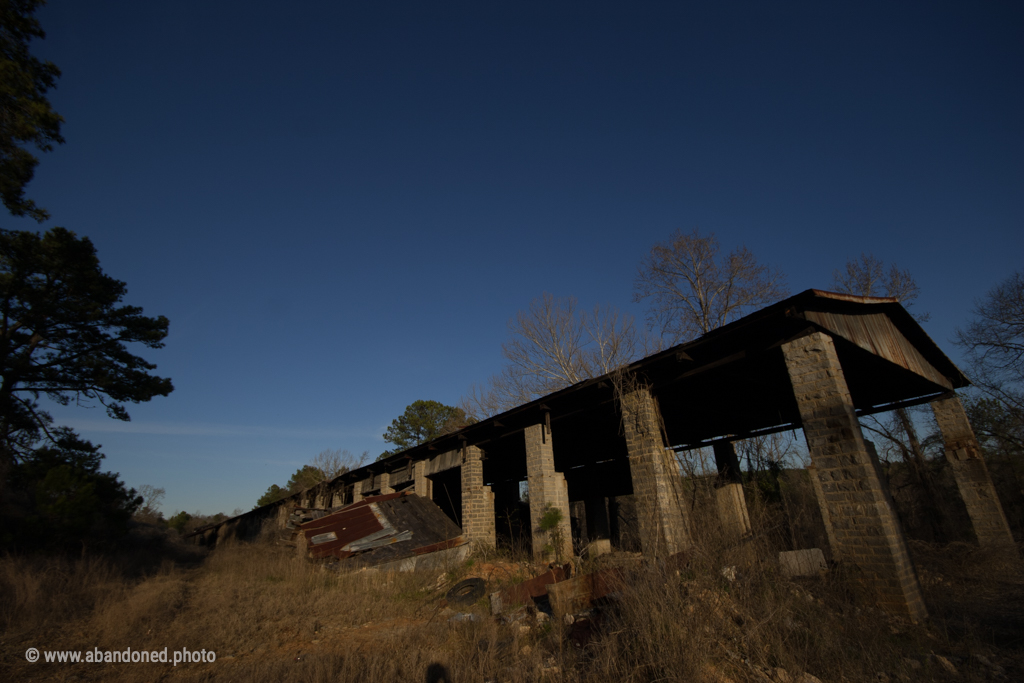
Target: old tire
(467,592)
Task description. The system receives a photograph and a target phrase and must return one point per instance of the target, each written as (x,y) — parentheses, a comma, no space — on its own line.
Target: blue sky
(339,206)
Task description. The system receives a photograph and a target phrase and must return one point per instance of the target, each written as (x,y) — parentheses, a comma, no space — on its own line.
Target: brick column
(477,500)
(867,532)
(833,545)
(422,485)
(964,455)
(664,527)
(385,483)
(358,488)
(547,489)
(729,498)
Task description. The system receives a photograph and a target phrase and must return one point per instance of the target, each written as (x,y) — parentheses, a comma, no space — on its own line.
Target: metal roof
(731,383)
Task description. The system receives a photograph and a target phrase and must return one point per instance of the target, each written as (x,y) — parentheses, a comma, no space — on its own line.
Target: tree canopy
(327,465)
(305,477)
(63,498)
(552,345)
(423,421)
(994,344)
(690,289)
(26,117)
(869,276)
(65,334)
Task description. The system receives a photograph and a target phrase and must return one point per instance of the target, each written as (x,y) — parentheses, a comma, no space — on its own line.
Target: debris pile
(399,531)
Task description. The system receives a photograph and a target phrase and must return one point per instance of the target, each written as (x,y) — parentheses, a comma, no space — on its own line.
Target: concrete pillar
(866,529)
(964,455)
(729,498)
(732,511)
(422,485)
(823,506)
(664,527)
(359,487)
(477,500)
(385,483)
(548,489)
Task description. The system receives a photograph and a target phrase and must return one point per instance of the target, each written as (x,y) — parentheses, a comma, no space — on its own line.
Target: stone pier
(866,530)
(664,528)
(547,489)
(730,500)
(964,456)
(477,500)
(826,519)
(422,485)
(359,487)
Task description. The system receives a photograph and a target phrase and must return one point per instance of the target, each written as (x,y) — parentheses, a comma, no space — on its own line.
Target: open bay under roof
(731,383)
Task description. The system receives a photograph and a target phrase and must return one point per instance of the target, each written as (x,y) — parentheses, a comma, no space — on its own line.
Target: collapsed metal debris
(378,530)
(527,592)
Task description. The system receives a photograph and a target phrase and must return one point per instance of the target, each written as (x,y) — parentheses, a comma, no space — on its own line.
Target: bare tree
(332,463)
(691,290)
(151,496)
(869,276)
(994,344)
(552,346)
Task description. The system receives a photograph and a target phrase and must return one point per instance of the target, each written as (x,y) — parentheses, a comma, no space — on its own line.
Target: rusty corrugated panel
(523,593)
(368,524)
(443,545)
(874,332)
(347,526)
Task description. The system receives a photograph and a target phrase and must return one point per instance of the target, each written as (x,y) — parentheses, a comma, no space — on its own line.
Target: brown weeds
(270,615)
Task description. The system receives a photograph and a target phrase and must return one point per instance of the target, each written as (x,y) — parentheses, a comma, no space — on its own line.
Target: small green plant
(551,522)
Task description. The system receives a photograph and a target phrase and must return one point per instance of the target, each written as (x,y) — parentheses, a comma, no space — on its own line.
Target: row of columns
(862,525)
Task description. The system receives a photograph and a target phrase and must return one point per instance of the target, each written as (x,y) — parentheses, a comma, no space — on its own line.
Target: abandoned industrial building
(816,361)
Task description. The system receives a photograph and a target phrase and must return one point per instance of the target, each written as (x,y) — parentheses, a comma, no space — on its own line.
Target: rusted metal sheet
(573,595)
(443,545)
(388,527)
(875,332)
(523,593)
(328,535)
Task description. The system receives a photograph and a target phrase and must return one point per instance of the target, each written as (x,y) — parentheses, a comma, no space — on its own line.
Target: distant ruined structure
(816,361)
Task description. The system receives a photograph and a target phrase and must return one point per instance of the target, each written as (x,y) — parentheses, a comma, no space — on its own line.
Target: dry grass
(271,616)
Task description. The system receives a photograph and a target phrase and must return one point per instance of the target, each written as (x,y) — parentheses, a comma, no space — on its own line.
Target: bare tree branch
(552,346)
(994,344)
(690,290)
(333,463)
(868,276)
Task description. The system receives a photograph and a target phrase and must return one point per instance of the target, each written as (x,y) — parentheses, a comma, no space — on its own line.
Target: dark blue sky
(340,205)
